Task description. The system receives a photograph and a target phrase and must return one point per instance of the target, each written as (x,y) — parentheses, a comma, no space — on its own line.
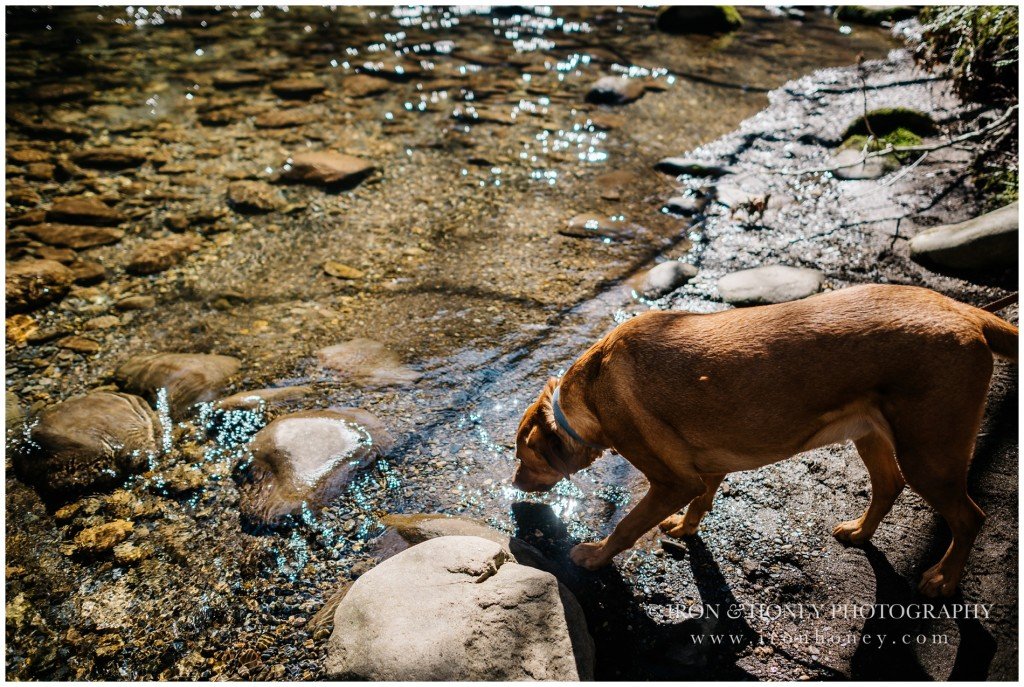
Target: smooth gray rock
(985,242)
(772,284)
(873,168)
(367,362)
(666,277)
(303,460)
(458,608)
(691,167)
(685,205)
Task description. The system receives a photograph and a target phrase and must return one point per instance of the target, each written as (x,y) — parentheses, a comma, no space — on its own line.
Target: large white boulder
(771,284)
(458,608)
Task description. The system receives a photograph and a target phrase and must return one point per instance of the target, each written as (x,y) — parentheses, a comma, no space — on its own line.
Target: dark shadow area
(629,645)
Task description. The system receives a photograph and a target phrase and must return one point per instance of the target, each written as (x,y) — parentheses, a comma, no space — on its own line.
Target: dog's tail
(1000,335)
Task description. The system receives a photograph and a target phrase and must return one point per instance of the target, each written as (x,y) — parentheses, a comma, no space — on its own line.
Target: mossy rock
(706,19)
(875,14)
(899,138)
(888,119)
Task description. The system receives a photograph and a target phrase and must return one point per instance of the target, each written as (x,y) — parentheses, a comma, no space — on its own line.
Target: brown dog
(901,371)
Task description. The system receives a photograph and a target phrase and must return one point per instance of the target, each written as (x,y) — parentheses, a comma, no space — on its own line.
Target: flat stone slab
(985,242)
(767,285)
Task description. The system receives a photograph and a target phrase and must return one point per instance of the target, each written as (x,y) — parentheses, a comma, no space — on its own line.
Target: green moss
(979,44)
(886,120)
(698,19)
(874,14)
(898,138)
(998,187)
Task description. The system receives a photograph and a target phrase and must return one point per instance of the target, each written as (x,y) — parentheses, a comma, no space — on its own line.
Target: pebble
(74,237)
(342,271)
(162,254)
(255,197)
(84,211)
(298,88)
(33,283)
(666,277)
(113,157)
(102,538)
(327,168)
(367,362)
(615,90)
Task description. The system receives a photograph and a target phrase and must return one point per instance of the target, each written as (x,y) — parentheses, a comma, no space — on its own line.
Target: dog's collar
(563,423)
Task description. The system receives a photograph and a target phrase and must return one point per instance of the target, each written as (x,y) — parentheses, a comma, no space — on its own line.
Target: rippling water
(486,148)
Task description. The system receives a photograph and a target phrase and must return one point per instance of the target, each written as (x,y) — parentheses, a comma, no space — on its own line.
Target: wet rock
(136,303)
(47,129)
(615,90)
(20,328)
(88,443)
(254,197)
(61,92)
(613,184)
(83,211)
(281,119)
(303,460)
(327,169)
(88,272)
(362,85)
(162,254)
(189,378)
(259,398)
(64,256)
(459,608)
(666,277)
(113,157)
(986,242)
(342,271)
(227,81)
(127,553)
(298,88)
(590,225)
(685,205)
(367,362)
(772,284)
(677,166)
(708,19)
(80,344)
(13,414)
(75,237)
(102,538)
(40,171)
(33,283)
(182,479)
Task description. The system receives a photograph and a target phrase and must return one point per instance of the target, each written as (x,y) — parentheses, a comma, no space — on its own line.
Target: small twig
(896,236)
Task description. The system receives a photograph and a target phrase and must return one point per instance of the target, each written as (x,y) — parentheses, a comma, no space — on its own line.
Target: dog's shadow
(629,644)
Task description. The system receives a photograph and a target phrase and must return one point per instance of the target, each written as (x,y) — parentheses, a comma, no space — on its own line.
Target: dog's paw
(937,582)
(851,532)
(678,527)
(590,555)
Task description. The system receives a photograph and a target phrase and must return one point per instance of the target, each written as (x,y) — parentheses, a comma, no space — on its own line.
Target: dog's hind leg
(679,525)
(886,485)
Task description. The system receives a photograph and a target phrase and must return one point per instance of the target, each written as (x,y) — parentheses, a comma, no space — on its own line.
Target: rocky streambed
(252,237)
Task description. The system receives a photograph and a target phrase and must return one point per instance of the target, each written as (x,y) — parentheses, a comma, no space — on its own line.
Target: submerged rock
(615,90)
(698,19)
(767,285)
(590,225)
(75,237)
(303,460)
(367,362)
(33,283)
(102,538)
(280,119)
(189,378)
(363,85)
(162,254)
(88,443)
(685,205)
(458,608)
(257,398)
(298,88)
(254,197)
(112,157)
(666,277)
(875,14)
(83,211)
(986,242)
(327,169)
(13,414)
(851,165)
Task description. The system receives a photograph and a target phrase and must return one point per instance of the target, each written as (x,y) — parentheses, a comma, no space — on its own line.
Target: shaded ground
(467,278)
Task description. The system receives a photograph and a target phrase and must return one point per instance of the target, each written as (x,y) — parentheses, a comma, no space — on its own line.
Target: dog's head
(545,455)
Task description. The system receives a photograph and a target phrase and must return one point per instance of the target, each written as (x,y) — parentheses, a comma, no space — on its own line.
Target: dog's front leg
(661,500)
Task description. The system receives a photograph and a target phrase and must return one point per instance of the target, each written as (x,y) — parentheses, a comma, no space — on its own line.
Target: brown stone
(79,344)
(111,157)
(327,168)
(362,85)
(298,88)
(71,236)
(83,211)
(254,197)
(280,119)
(189,378)
(32,283)
(162,254)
